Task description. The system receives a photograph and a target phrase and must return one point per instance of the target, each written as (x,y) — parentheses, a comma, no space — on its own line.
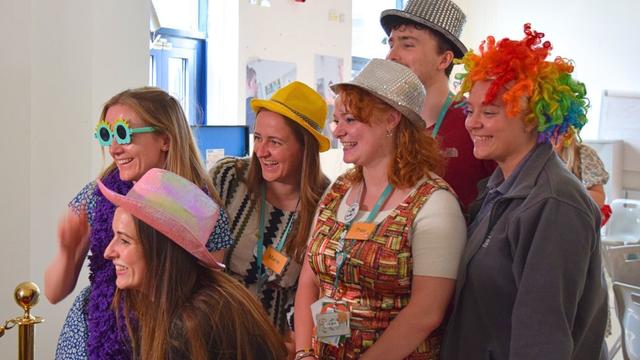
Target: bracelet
(301,354)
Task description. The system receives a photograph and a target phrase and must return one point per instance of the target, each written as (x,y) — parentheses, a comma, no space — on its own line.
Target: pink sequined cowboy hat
(174,206)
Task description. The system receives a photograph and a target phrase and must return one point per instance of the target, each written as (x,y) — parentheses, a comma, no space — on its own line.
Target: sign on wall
(265,77)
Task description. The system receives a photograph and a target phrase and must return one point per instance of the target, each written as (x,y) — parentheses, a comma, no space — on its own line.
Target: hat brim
(259,104)
(141,211)
(387,17)
(413,116)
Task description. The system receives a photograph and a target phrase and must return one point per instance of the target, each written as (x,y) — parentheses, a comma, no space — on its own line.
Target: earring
(389,133)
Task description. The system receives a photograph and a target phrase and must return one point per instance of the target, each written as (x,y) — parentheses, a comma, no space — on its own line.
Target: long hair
(416,155)
(556,103)
(157,108)
(312,185)
(570,153)
(185,308)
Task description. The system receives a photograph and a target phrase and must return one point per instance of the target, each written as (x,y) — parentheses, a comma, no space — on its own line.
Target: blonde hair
(157,108)
(570,154)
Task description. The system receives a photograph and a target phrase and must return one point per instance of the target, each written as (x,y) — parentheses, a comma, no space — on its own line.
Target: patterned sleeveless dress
(375,280)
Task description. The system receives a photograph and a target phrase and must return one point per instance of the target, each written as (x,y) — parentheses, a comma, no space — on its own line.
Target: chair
(624,226)
(623,263)
(628,311)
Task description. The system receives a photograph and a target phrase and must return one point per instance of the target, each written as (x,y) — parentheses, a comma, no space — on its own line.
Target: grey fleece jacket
(530,284)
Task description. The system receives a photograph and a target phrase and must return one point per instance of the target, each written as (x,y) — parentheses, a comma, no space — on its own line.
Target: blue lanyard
(341,253)
(283,238)
(443,112)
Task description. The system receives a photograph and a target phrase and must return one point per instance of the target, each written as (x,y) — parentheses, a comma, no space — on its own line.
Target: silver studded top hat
(394,84)
(442,16)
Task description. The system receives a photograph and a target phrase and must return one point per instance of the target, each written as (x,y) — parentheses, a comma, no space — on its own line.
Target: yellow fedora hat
(301,104)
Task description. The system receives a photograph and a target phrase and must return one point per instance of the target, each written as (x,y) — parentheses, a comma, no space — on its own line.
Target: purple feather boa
(105,340)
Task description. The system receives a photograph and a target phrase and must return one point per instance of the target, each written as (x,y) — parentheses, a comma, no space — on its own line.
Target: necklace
(443,112)
(263,274)
(343,249)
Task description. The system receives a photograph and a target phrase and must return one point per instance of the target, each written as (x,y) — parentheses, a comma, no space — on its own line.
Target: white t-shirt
(438,234)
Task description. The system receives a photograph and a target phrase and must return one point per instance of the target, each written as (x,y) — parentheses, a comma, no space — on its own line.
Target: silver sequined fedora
(443,16)
(393,83)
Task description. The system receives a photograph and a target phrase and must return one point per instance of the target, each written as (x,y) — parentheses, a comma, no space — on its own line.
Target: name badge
(274,260)
(333,324)
(361,231)
(450,152)
(331,317)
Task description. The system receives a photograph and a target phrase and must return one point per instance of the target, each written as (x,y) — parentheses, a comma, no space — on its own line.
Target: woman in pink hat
(271,197)
(171,295)
(142,128)
(383,254)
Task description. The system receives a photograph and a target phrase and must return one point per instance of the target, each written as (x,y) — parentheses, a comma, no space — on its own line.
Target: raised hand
(73,232)
(73,239)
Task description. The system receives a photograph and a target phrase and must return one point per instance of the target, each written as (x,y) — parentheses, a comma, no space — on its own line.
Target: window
(368,38)
(178,53)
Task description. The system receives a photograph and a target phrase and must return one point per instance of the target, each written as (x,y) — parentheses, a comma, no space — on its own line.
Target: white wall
(293,32)
(286,31)
(599,36)
(15,17)
(222,63)
(65,59)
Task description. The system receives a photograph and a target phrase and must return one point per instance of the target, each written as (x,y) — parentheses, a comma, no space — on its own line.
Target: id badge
(274,260)
(333,320)
(331,317)
(333,324)
(361,231)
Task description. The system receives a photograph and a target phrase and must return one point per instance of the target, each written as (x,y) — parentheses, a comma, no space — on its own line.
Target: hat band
(304,117)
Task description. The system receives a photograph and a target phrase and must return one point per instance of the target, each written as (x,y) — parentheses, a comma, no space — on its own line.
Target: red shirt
(462,171)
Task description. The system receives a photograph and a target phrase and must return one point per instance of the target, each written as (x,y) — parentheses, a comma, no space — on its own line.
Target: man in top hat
(425,37)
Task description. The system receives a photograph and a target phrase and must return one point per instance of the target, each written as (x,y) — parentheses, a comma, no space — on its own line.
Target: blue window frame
(178,65)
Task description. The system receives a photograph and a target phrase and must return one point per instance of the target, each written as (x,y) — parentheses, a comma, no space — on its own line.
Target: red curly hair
(416,154)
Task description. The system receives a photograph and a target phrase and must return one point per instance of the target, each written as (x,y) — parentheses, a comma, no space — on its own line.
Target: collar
(525,177)
(497,182)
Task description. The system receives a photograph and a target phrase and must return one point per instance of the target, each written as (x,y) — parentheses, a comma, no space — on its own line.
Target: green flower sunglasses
(120,131)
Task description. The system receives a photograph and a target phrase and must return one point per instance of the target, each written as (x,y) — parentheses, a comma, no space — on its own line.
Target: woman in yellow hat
(271,197)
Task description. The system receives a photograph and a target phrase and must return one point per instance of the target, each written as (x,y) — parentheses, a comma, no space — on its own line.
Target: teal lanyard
(443,112)
(341,254)
(283,238)
(376,207)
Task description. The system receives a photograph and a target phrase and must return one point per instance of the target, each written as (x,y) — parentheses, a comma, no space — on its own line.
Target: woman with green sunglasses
(142,128)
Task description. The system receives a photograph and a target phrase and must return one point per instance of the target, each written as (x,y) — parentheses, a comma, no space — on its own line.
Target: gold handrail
(26,296)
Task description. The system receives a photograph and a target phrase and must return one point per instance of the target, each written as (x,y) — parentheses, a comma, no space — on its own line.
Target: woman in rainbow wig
(530,285)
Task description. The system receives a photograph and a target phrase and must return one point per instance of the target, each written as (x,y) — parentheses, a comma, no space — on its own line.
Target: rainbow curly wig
(557,102)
